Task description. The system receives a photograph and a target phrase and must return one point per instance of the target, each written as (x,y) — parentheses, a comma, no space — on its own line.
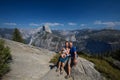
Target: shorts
(63,59)
(70,60)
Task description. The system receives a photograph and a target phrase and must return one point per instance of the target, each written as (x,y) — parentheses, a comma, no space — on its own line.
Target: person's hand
(75,62)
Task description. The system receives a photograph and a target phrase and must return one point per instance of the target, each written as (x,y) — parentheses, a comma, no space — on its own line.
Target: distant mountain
(6,33)
(67,35)
(43,37)
(93,41)
(46,39)
(87,40)
(30,34)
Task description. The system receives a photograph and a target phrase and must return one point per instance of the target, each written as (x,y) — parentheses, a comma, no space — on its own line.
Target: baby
(65,53)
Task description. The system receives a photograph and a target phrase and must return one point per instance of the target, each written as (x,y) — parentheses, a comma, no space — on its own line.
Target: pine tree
(17,36)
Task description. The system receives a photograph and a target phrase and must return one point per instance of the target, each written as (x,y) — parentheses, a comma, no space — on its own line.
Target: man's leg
(69,66)
(69,69)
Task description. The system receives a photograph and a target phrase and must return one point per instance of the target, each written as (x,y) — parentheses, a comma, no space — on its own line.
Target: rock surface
(48,41)
(53,75)
(32,63)
(29,63)
(83,71)
(47,29)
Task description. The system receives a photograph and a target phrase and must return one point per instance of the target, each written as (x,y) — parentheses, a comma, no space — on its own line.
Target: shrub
(116,55)
(106,69)
(5,57)
(55,58)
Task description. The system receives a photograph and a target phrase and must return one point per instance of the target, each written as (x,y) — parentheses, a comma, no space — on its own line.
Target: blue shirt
(72,51)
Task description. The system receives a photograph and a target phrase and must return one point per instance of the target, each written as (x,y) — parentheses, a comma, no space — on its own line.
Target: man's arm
(75,57)
(75,53)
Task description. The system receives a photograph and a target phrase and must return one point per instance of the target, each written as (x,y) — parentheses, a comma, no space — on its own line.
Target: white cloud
(72,24)
(117,23)
(34,24)
(108,24)
(47,23)
(82,25)
(10,24)
(53,24)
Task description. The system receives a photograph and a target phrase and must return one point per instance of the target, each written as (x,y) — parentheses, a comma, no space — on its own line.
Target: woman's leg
(63,64)
(62,68)
(59,64)
(64,61)
(58,67)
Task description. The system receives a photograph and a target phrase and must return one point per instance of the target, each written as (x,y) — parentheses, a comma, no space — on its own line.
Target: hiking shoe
(57,69)
(67,77)
(61,72)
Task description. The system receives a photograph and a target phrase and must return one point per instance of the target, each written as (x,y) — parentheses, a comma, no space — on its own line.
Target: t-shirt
(72,51)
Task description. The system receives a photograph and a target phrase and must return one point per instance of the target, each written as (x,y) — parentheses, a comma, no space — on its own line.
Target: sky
(60,14)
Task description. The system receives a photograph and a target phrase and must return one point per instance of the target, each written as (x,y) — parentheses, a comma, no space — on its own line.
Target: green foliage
(55,58)
(109,59)
(5,57)
(17,36)
(116,55)
(107,70)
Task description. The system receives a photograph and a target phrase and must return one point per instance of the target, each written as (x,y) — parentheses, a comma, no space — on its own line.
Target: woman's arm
(61,52)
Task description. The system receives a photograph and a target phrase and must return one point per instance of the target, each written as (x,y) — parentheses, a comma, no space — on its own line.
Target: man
(72,61)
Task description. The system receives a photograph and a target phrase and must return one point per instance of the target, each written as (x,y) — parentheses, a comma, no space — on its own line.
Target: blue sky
(60,14)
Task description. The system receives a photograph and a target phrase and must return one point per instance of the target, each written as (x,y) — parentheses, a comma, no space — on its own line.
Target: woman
(63,57)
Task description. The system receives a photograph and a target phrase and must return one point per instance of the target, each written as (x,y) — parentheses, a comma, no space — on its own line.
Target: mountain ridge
(107,39)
